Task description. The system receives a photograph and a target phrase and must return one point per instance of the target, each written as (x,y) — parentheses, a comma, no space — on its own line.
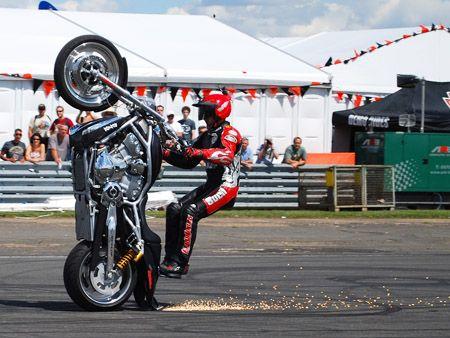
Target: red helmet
(219,104)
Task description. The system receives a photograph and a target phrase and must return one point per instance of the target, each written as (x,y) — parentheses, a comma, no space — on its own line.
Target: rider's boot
(172,268)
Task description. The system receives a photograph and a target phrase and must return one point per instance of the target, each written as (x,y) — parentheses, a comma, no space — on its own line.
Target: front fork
(111,224)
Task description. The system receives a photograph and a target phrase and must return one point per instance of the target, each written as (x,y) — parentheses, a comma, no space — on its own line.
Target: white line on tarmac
(208,256)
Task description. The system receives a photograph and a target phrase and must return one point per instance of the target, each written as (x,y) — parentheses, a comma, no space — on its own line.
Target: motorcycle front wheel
(90,288)
(72,72)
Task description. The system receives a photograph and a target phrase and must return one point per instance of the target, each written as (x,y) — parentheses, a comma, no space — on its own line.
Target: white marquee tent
(171,50)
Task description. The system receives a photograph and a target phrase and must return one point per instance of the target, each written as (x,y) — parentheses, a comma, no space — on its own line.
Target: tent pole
(422,120)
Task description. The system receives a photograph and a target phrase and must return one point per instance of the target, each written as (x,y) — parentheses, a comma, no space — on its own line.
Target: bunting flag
(184,93)
(161,89)
(48,87)
(340,96)
(231,91)
(141,90)
(358,98)
(316,83)
(25,76)
(273,90)
(130,89)
(36,84)
(286,90)
(423,30)
(197,92)
(173,92)
(252,92)
(297,91)
(153,91)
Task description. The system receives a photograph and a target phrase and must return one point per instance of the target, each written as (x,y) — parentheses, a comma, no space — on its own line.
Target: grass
(378,214)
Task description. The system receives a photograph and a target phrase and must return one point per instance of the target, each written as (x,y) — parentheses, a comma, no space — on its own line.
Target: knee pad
(192,210)
(173,209)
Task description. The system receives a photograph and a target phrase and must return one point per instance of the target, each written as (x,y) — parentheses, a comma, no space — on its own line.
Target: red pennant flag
(27,76)
(372,48)
(231,91)
(441,27)
(424,29)
(141,90)
(340,96)
(252,93)
(205,92)
(184,93)
(337,61)
(377,99)
(405,36)
(273,90)
(295,90)
(161,89)
(48,87)
(316,83)
(358,99)
(388,42)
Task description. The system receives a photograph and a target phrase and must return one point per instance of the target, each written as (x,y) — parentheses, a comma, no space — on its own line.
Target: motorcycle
(115,162)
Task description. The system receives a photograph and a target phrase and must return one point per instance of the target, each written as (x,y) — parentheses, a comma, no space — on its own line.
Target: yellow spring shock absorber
(127,258)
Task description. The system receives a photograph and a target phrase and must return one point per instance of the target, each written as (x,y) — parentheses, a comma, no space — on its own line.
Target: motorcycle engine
(123,165)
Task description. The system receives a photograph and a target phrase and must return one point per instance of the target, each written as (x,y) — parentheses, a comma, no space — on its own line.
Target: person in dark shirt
(60,120)
(14,151)
(187,124)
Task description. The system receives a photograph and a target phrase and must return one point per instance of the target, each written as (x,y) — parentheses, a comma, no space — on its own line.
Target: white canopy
(171,49)
(425,55)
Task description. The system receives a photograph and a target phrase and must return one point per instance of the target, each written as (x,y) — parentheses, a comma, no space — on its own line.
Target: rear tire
(78,280)
(70,63)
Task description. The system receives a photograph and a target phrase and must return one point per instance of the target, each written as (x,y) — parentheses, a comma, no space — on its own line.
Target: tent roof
(385,113)
(424,55)
(159,48)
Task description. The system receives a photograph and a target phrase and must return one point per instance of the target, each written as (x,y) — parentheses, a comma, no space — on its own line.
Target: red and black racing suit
(221,149)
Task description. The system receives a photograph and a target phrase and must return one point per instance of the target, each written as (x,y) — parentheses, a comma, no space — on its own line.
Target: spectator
(14,150)
(58,144)
(108,114)
(40,124)
(60,120)
(174,124)
(201,127)
(246,154)
(160,110)
(36,150)
(295,154)
(266,152)
(187,124)
(85,119)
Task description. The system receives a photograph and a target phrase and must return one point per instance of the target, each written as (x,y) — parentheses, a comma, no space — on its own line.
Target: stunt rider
(220,148)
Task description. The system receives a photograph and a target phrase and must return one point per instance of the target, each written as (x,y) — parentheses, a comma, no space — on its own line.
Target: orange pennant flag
(340,96)
(441,27)
(48,87)
(252,92)
(315,83)
(424,29)
(337,61)
(372,48)
(358,99)
(273,90)
(295,90)
(405,36)
(184,93)
(161,89)
(141,90)
(388,42)
(231,91)
(27,76)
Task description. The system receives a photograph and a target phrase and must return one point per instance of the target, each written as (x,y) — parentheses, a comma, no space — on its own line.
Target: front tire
(72,67)
(87,287)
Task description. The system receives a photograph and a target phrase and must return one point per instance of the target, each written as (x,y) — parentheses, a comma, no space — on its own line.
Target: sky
(276,18)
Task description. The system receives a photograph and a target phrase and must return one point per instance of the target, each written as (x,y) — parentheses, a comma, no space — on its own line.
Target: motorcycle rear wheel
(72,72)
(86,287)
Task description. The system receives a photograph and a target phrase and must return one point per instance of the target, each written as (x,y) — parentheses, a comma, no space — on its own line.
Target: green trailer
(421,162)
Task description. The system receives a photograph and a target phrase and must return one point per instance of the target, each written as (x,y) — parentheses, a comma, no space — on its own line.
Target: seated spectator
(58,144)
(60,120)
(174,124)
(246,155)
(160,110)
(201,127)
(14,151)
(187,124)
(35,152)
(90,116)
(295,154)
(266,152)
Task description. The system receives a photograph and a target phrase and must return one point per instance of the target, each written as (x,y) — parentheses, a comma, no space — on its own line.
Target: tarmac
(248,277)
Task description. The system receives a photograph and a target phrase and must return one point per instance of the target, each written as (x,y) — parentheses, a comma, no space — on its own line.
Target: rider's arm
(179,160)
(231,139)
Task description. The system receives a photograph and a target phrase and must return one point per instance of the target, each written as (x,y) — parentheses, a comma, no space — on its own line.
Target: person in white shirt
(174,124)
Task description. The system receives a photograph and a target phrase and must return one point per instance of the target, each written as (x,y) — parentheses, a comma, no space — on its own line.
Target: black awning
(385,114)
